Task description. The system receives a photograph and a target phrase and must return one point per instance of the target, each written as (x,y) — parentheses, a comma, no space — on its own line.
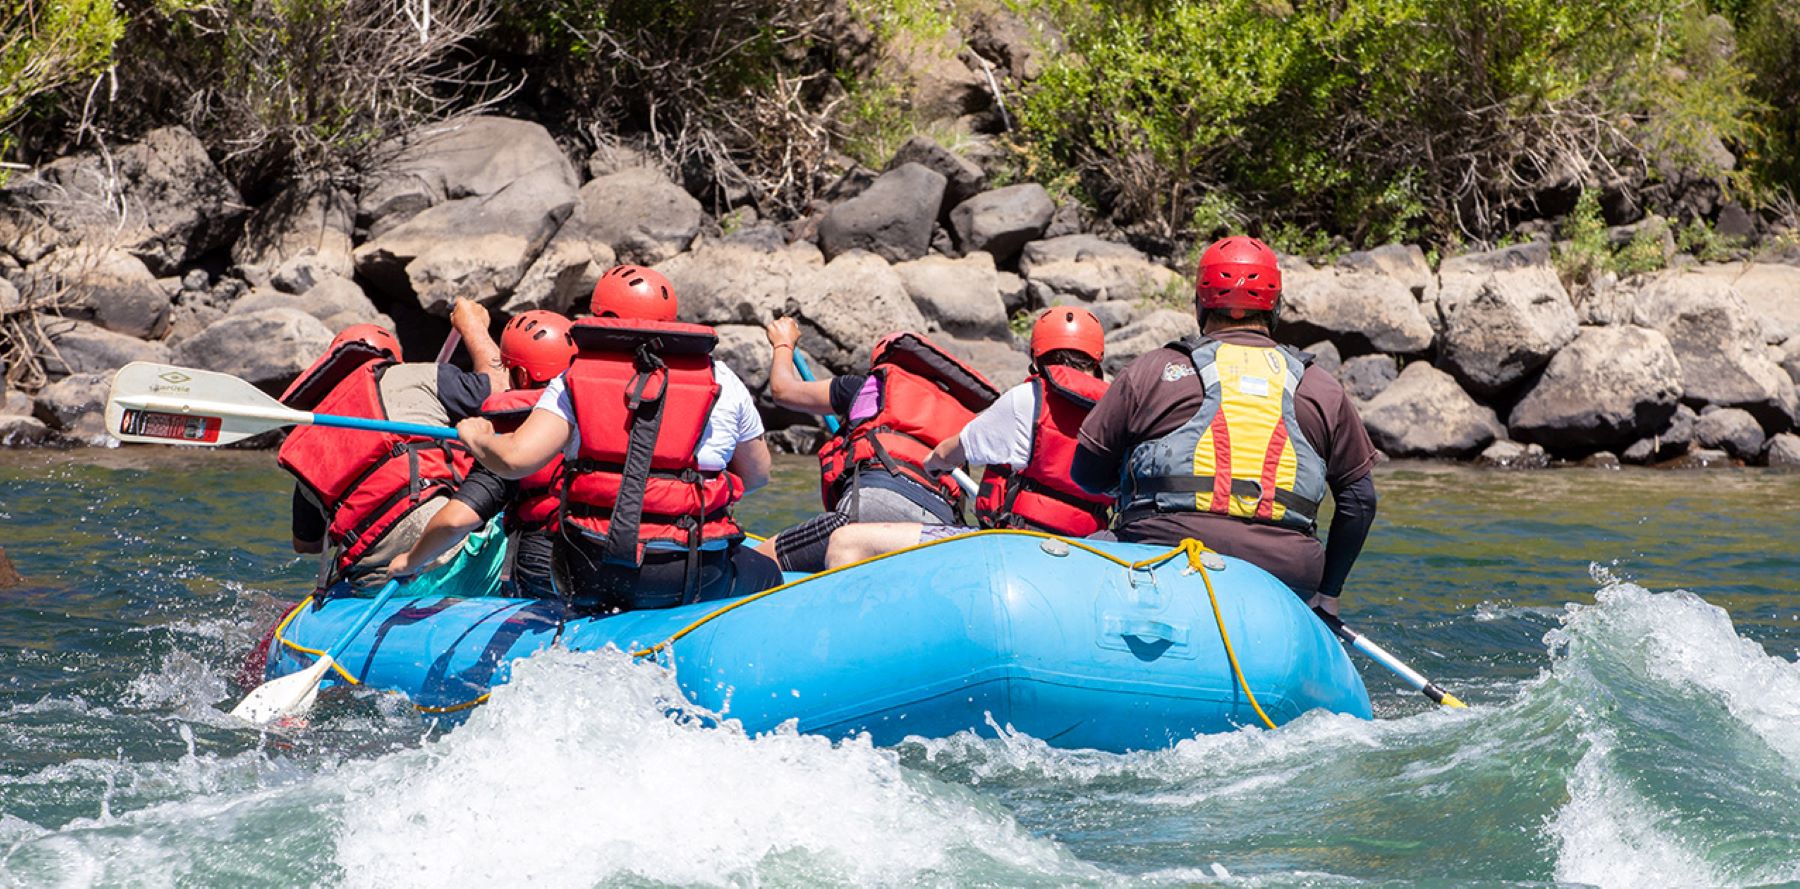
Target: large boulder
(851,303)
(76,405)
(1504,314)
(961,296)
(268,348)
(112,288)
(1770,290)
(640,214)
(1003,365)
(11,300)
(1731,430)
(1367,376)
(1360,311)
(336,302)
(892,218)
(313,218)
(477,248)
(1608,388)
(23,432)
(1425,413)
(1790,358)
(745,349)
(1405,263)
(160,199)
(730,283)
(1089,269)
(1783,451)
(1674,439)
(1003,220)
(963,178)
(1720,347)
(465,158)
(82,347)
(563,276)
(1146,334)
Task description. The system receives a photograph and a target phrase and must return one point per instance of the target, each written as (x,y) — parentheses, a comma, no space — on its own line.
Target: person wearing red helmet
(1229,438)
(658,440)
(370,495)
(1025,439)
(536,347)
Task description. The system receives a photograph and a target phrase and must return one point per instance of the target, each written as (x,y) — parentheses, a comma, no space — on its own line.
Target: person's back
(1233,440)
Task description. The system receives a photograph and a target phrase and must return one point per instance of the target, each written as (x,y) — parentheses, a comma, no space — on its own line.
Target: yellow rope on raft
(280,637)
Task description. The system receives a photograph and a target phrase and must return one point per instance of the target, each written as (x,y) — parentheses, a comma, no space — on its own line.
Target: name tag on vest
(1254,386)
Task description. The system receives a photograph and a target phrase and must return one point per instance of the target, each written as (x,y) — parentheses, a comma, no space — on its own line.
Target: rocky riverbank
(148,253)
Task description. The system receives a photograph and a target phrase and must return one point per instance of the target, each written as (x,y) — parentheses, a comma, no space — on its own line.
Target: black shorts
(593,587)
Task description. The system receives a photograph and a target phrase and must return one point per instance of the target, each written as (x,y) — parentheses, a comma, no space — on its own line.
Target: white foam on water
(574,774)
(1606,835)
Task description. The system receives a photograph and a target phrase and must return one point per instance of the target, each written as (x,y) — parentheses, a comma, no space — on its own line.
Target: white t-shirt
(1001,435)
(734,418)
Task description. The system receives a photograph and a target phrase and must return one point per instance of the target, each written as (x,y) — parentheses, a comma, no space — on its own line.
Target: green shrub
(45,45)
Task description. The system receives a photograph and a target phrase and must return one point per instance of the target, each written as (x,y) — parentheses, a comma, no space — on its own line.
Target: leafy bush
(1378,119)
(46,44)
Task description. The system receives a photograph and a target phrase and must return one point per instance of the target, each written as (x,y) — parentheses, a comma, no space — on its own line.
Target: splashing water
(1633,737)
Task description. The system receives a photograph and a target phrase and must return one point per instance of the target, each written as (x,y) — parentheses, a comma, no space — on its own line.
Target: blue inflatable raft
(1082,644)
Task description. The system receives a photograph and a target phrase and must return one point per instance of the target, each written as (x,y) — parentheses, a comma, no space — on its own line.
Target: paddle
(293,694)
(804,368)
(164,404)
(451,341)
(1381,656)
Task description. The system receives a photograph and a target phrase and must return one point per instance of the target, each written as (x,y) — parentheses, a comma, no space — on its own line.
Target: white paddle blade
(164,404)
(291,695)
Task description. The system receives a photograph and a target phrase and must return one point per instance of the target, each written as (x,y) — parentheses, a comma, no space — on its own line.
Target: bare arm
(445,530)
(470,319)
(785,385)
(947,455)
(537,441)
(750,462)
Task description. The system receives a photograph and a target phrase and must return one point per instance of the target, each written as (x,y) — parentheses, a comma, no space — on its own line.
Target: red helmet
(1238,274)
(537,343)
(634,292)
(1064,327)
(374,335)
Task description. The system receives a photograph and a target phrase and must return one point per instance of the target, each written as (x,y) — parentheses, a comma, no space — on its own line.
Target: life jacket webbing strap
(1240,487)
(622,547)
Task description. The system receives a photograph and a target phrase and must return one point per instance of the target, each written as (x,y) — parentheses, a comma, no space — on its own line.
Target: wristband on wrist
(780,345)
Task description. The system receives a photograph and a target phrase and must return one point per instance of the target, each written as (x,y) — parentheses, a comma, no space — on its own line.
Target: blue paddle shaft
(805,369)
(387,592)
(393,426)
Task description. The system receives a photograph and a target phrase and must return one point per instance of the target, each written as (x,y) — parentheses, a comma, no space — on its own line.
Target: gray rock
(730,283)
(1601,460)
(1608,388)
(1146,334)
(336,302)
(312,218)
(1360,311)
(617,156)
(850,304)
(1673,440)
(1327,358)
(1703,458)
(1790,360)
(1504,314)
(1770,290)
(82,347)
(1783,451)
(892,219)
(961,296)
(1003,365)
(189,318)
(1424,413)
(640,214)
(11,301)
(745,349)
(1014,294)
(160,199)
(268,348)
(477,248)
(109,287)
(1089,269)
(1114,313)
(1513,455)
(196,280)
(1606,302)
(457,159)
(1402,262)
(23,432)
(963,178)
(798,440)
(1070,219)
(76,405)
(1731,430)
(1719,345)
(298,273)
(14,403)
(1003,220)
(1367,376)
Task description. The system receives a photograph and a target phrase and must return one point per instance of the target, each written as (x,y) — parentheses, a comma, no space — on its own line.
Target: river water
(1627,641)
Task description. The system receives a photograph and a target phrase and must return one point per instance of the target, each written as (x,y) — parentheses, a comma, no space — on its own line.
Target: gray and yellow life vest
(1242,454)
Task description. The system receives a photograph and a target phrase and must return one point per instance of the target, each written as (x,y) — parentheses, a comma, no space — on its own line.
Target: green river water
(1627,641)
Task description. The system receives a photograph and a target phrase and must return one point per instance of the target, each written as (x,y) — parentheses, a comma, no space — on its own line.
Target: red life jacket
(925,395)
(534,506)
(366,481)
(642,392)
(1042,497)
